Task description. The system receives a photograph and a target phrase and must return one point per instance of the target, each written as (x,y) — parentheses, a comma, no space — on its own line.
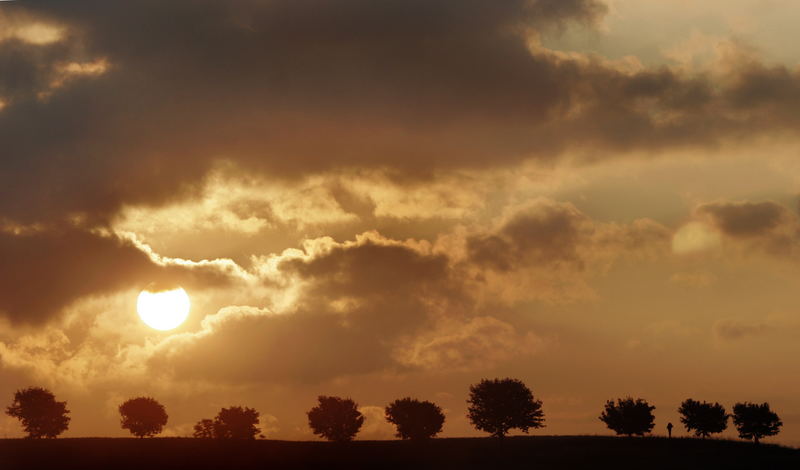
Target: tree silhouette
(39,412)
(205,429)
(629,416)
(703,418)
(143,416)
(499,405)
(336,419)
(235,422)
(754,421)
(415,420)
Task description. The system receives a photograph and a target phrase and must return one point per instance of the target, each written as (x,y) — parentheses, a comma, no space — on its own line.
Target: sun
(163,310)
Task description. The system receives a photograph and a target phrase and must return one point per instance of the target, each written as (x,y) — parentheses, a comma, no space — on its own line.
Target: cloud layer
(296,88)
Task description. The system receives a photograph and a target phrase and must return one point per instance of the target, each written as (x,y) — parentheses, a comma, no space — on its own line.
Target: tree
(499,405)
(143,416)
(703,418)
(754,421)
(39,412)
(236,423)
(415,420)
(336,419)
(629,416)
(205,429)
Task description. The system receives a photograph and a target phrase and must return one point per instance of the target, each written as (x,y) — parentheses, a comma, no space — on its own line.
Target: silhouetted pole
(669,430)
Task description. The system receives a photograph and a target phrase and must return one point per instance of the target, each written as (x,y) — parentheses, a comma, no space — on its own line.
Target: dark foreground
(548,452)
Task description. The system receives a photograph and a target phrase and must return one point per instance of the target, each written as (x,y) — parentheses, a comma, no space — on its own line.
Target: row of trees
(635,417)
(495,406)
(333,418)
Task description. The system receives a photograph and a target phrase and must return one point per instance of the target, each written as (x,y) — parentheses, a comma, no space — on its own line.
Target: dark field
(548,452)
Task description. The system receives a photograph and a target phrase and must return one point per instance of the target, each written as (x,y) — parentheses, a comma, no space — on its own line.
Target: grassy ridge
(546,452)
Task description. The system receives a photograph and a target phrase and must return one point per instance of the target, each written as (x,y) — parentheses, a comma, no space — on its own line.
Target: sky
(379,199)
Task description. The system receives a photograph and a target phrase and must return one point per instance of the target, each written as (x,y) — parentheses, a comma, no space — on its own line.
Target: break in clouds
(355,192)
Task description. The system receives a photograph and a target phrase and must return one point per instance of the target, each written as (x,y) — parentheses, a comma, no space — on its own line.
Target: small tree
(415,420)
(205,429)
(143,416)
(499,405)
(39,412)
(236,422)
(754,421)
(629,416)
(703,418)
(336,419)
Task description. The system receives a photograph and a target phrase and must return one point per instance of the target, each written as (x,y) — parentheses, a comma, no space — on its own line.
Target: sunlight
(163,310)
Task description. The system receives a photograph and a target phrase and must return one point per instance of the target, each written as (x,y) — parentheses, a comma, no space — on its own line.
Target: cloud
(375,304)
(232,81)
(750,227)
(354,301)
(481,342)
(46,271)
(746,219)
(48,268)
(286,89)
(547,250)
(543,233)
(294,348)
(778,327)
(731,329)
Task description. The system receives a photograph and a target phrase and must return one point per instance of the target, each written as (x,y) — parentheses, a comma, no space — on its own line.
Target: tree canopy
(236,422)
(336,419)
(754,421)
(629,416)
(415,420)
(703,419)
(39,412)
(143,416)
(499,405)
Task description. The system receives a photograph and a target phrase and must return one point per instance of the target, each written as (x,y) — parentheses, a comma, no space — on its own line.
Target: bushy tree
(235,422)
(143,416)
(205,429)
(415,420)
(703,418)
(754,421)
(335,419)
(629,416)
(499,405)
(39,412)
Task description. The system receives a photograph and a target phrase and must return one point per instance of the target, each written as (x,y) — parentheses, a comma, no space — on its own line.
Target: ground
(545,452)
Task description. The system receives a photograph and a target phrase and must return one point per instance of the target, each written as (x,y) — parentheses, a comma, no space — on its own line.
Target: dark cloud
(763,227)
(46,270)
(746,219)
(386,290)
(291,88)
(542,234)
(358,301)
(27,68)
(371,269)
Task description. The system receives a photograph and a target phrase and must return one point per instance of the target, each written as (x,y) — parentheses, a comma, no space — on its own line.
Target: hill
(546,452)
